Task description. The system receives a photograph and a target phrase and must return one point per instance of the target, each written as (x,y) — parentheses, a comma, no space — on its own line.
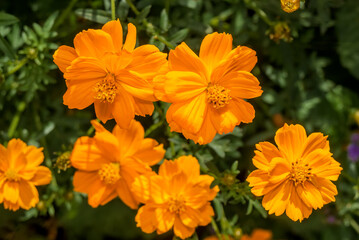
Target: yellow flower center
(218,96)
(12,175)
(106,89)
(110,173)
(176,204)
(299,172)
(290,5)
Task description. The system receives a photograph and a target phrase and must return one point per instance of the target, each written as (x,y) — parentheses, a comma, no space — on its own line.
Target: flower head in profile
(290,5)
(114,76)
(178,197)
(20,173)
(208,92)
(108,163)
(258,234)
(297,176)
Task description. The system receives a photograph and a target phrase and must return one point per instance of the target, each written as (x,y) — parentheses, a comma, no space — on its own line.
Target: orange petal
(136,86)
(114,28)
(103,110)
(34,155)
(310,195)
(204,135)
(267,151)
(158,189)
(190,217)
(168,168)
(290,140)
(182,230)
(214,48)
(190,114)
(150,152)
(82,76)
(181,86)
(130,42)
(93,43)
(100,194)
(4,163)
(259,181)
(165,219)
(63,57)
(11,191)
(146,219)
(83,181)
(16,158)
(123,109)
(276,200)
(239,59)
(130,138)
(327,189)
(147,61)
(296,209)
(42,176)
(241,84)
(195,197)
(140,188)
(189,166)
(116,63)
(315,141)
(279,170)
(184,59)
(126,195)
(142,107)
(206,212)
(87,155)
(28,196)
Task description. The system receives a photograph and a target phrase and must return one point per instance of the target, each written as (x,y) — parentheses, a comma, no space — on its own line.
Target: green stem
(16,119)
(167,6)
(91,129)
(133,7)
(252,5)
(18,66)
(65,13)
(167,43)
(113,10)
(216,229)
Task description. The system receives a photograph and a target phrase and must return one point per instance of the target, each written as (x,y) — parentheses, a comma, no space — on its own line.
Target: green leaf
(179,36)
(164,24)
(122,10)
(98,16)
(348,36)
(49,23)
(7,19)
(6,48)
(143,14)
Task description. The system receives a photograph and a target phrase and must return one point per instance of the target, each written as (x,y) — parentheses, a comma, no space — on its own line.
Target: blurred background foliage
(308,66)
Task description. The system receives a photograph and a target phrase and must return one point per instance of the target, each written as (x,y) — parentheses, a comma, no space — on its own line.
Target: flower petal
(126,195)
(182,230)
(146,219)
(123,109)
(241,84)
(190,114)
(184,59)
(290,140)
(130,42)
(276,200)
(214,48)
(150,152)
(142,107)
(296,209)
(42,176)
(93,43)
(264,155)
(310,195)
(181,86)
(114,28)
(315,141)
(28,195)
(103,110)
(165,219)
(11,191)
(82,76)
(206,133)
(63,57)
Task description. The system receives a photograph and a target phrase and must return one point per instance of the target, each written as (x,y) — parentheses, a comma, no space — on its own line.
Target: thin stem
(133,7)
(113,10)
(167,43)
(250,4)
(18,66)
(216,229)
(65,13)
(16,119)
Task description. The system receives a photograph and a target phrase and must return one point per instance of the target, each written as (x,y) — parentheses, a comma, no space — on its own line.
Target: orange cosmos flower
(108,163)
(115,77)
(258,234)
(295,177)
(177,197)
(290,5)
(207,92)
(20,173)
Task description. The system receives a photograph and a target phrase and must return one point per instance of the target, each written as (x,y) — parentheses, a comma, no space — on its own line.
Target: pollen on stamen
(176,204)
(106,89)
(299,172)
(218,96)
(110,173)
(12,175)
